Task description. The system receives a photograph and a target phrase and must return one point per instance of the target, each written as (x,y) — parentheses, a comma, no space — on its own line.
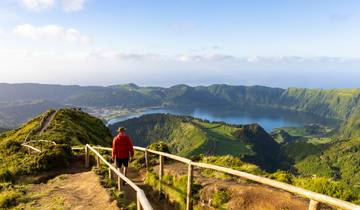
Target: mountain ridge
(340,104)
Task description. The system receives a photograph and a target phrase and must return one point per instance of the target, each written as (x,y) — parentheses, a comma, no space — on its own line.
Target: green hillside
(340,161)
(68,127)
(187,136)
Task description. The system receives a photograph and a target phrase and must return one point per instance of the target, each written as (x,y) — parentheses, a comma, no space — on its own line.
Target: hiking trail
(72,188)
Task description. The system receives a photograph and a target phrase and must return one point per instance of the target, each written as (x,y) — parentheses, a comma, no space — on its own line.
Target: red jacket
(122,146)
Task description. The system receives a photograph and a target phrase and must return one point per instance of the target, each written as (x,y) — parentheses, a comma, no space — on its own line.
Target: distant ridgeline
(342,104)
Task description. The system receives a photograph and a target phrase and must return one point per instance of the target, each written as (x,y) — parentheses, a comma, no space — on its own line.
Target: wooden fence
(141,199)
(315,198)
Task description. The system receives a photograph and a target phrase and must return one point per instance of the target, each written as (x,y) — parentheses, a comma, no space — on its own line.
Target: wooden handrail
(141,198)
(41,140)
(280,185)
(314,197)
(31,147)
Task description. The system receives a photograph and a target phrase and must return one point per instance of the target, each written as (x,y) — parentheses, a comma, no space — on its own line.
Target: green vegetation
(311,130)
(173,187)
(190,137)
(74,127)
(111,186)
(8,198)
(321,185)
(69,127)
(298,150)
(339,161)
(229,162)
(220,198)
(326,186)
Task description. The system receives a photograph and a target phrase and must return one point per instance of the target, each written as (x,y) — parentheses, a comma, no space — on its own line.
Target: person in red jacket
(122,150)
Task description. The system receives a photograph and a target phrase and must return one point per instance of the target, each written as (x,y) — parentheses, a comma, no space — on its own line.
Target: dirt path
(74,187)
(71,191)
(47,122)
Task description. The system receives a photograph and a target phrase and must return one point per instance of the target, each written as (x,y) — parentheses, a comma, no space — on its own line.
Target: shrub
(282,176)
(220,198)
(54,157)
(228,161)
(326,186)
(5,175)
(159,146)
(8,198)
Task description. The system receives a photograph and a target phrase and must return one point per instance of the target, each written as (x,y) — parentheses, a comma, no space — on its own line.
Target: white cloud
(37,5)
(73,5)
(108,66)
(66,5)
(51,33)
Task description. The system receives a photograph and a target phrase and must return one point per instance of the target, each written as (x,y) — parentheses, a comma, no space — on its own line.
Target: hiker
(122,150)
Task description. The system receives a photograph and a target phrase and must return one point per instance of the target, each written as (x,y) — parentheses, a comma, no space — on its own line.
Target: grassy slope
(77,128)
(69,127)
(186,136)
(339,161)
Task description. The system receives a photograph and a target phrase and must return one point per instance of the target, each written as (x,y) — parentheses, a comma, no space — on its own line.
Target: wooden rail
(46,141)
(141,200)
(31,148)
(315,198)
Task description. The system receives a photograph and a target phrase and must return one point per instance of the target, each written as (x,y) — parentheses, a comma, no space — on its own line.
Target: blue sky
(282,43)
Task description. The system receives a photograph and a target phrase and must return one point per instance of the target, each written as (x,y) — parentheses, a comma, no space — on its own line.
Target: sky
(278,43)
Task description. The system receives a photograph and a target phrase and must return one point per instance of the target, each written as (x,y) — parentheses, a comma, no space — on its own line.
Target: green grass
(111,186)
(340,161)
(220,198)
(173,187)
(68,127)
(228,161)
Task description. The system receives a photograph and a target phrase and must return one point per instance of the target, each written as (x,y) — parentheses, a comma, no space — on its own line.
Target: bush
(5,175)
(220,198)
(326,186)
(159,146)
(282,176)
(8,198)
(228,161)
(54,157)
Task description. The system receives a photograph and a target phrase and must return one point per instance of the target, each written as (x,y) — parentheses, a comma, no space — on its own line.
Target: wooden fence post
(313,205)
(189,187)
(161,171)
(146,160)
(138,204)
(119,181)
(86,156)
(110,173)
(98,159)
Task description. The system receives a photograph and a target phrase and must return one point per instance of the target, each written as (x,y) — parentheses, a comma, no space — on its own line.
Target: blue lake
(265,117)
